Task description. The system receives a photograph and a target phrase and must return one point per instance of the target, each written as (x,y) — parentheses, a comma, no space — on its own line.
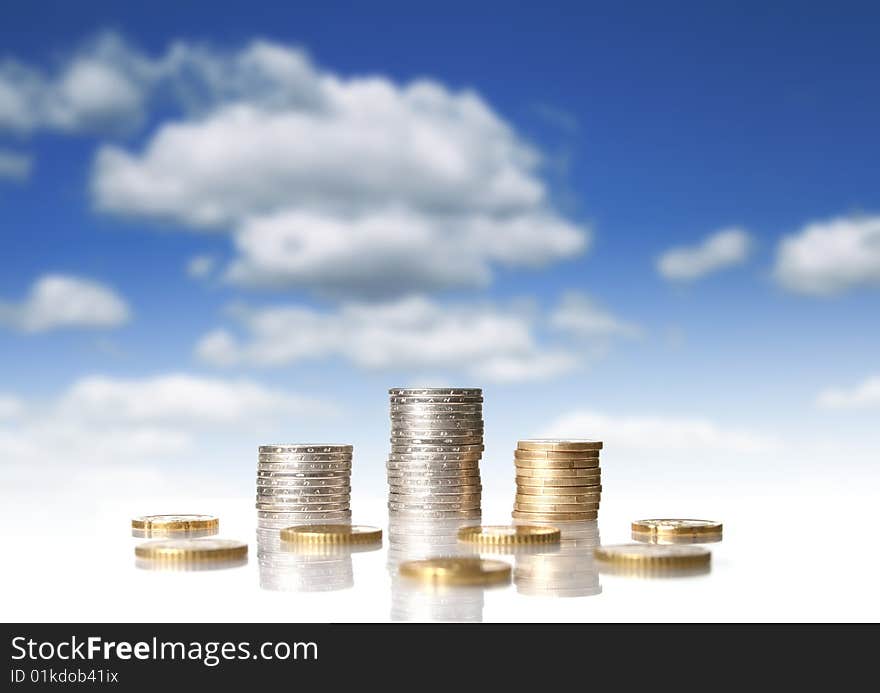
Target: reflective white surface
(804,558)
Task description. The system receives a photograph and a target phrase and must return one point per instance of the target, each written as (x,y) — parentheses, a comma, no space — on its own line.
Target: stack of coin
(557,480)
(436,445)
(569,572)
(303,483)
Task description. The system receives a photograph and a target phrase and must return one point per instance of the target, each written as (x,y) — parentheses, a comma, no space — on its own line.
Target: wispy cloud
(15,167)
(864,395)
(726,248)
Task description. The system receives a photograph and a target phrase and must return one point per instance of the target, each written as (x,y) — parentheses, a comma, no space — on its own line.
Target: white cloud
(865,395)
(659,436)
(829,257)
(61,301)
(110,427)
(102,86)
(408,334)
(10,407)
(584,317)
(15,167)
(201,266)
(726,248)
(342,184)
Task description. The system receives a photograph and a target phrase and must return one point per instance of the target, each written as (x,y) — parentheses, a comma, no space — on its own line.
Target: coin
(433,498)
(677,527)
(585,463)
(539,507)
(472,514)
(435,505)
(332,534)
(538,483)
(429,449)
(553,516)
(654,555)
(441,477)
(438,437)
(307,483)
(675,538)
(302,457)
(439,409)
(435,399)
(426,463)
(591,499)
(530,455)
(550,473)
(175,523)
(311,492)
(180,550)
(302,507)
(554,491)
(509,534)
(307,448)
(415,490)
(560,444)
(457,571)
(271,518)
(304,467)
(413,417)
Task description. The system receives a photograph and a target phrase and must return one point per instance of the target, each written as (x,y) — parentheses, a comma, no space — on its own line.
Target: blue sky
(652,130)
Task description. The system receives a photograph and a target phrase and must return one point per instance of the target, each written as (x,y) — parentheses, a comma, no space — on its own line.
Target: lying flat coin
(307,448)
(558,490)
(676,538)
(551,473)
(655,555)
(434,498)
(448,440)
(308,503)
(411,449)
(549,455)
(332,534)
(395,401)
(457,571)
(498,535)
(438,477)
(305,508)
(473,514)
(589,499)
(307,483)
(592,482)
(678,527)
(312,492)
(434,505)
(305,457)
(561,444)
(555,507)
(415,490)
(175,523)
(304,467)
(408,417)
(450,408)
(185,550)
(553,517)
(585,463)
(445,391)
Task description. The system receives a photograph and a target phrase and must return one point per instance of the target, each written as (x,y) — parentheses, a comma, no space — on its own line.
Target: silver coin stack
(436,444)
(303,483)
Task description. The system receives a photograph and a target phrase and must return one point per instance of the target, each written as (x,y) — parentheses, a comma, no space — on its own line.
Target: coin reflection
(289,567)
(188,566)
(566,570)
(653,538)
(412,600)
(174,534)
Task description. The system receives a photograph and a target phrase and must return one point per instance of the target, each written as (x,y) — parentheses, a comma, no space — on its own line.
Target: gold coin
(555,454)
(509,534)
(654,555)
(554,517)
(175,523)
(184,550)
(543,463)
(587,498)
(560,444)
(677,527)
(555,507)
(526,490)
(646,538)
(457,571)
(549,473)
(332,534)
(559,482)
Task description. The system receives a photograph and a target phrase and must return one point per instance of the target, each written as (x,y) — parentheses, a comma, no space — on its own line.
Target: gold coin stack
(557,480)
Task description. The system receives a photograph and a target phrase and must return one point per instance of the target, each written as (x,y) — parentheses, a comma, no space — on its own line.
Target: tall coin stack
(557,480)
(303,483)
(436,445)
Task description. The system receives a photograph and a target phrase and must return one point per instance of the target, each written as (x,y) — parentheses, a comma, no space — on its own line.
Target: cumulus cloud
(584,317)
(726,248)
(659,435)
(352,185)
(865,395)
(102,86)
(828,257)
(15,167)
(61,301)
(110,426)
(201,266)
(409,334)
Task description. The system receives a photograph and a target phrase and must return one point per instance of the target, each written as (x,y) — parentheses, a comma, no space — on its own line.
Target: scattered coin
(458,571)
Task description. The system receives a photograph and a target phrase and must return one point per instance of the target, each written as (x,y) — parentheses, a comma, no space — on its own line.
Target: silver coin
(421,498)
(432,409)
(394,400)
(437,514)
(400,489)
(307,508)
(307,448)
(438,431)
(446,391)
(419,449)
(292,474)
(438,477)
(429,506)
(411,418)
(452,458)
(295,459)
(266,517)
(307,483)
(440,465)
(305,467)
(303,499)
(439,441)
(303,490)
